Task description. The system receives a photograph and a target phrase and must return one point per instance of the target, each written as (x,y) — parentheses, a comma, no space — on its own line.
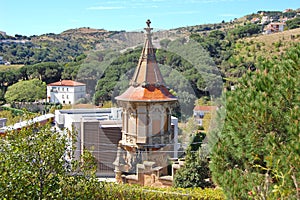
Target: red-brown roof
(151,93)
(66,83)
(205,108)
(147,83)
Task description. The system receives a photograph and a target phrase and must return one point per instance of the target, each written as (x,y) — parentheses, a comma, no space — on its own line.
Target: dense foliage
(293,23)
(256,154)
(26,91)
(114,191)
(195,171)
(47,72)
(50,47)
(35,164)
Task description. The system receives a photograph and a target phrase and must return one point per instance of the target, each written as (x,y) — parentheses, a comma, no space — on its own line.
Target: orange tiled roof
(66,83)
(151,93)
(205,108)
(147,83)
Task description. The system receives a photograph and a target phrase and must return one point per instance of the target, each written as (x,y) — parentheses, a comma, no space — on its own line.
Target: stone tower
(146,115)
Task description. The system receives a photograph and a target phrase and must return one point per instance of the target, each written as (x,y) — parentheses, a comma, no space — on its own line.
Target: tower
(146,115)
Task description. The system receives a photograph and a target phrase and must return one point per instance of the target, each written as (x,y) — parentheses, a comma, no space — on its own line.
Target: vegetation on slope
(256,154)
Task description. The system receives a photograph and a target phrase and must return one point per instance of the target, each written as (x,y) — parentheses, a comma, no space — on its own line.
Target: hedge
(106,190)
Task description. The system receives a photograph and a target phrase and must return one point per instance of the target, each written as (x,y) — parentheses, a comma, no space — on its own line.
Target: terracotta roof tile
(147,83)
(150,93)
(205,108)
(66,83)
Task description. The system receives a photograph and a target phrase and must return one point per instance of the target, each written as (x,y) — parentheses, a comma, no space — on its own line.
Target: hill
(247,52)
(85,54)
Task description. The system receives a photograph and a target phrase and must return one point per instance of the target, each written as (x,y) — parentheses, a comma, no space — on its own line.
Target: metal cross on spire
(148,22)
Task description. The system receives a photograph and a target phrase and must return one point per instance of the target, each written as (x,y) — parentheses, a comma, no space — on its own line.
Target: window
(62,89)
(67,96)
(62,96)
(67,89)
(199,122)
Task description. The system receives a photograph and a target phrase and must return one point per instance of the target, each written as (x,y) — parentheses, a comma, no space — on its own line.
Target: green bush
(103,190)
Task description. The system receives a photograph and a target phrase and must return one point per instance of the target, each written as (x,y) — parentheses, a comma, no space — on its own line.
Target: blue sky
(37,17)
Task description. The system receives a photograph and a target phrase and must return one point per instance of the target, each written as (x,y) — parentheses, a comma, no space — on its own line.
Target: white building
(274,28)
(3,33)
(65,92)
(265,20)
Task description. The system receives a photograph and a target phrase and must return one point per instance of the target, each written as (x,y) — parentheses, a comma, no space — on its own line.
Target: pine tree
(257,153)
(195,171)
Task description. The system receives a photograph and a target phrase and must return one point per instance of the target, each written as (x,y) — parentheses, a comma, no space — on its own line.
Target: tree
(35,164)
(195,171)
(26,91)
(256,154)
(293,23)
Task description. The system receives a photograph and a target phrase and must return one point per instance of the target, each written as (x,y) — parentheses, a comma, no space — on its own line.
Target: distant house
(3,33)
(274,27)
(65,92)
(255,20)
(200,111)
(3,122)
(283,20)
(265,20)
(287,10)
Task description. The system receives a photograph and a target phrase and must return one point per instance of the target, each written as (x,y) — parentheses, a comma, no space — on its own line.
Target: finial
(148,22)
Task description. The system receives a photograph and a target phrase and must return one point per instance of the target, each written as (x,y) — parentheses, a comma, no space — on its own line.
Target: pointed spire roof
(147,71)
(147,83)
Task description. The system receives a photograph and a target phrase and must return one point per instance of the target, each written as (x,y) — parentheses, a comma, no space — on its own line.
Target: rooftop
(205,108)
(66,83)
(147,83)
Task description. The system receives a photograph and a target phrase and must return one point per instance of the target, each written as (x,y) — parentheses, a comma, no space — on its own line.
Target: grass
(8,67)
(267,46)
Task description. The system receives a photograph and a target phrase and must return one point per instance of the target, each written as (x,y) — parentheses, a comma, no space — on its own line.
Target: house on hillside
(65,92)
(274,27)
(255,20)
(200,111)
(283,20)
(287,10)
(265,19)
(2,33)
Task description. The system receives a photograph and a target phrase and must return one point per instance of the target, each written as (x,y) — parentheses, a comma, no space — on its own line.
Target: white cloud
(208,1)
(228,15)
(105,8)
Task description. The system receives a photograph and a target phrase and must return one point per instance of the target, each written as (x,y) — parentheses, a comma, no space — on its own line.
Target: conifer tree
(257,153)
(195,171)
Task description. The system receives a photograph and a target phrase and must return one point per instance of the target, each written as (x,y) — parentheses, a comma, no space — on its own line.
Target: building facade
(274,27)
(200,111)
(65,92)
(98,131)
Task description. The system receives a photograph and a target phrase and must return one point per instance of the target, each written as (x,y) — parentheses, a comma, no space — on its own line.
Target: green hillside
(100,58)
